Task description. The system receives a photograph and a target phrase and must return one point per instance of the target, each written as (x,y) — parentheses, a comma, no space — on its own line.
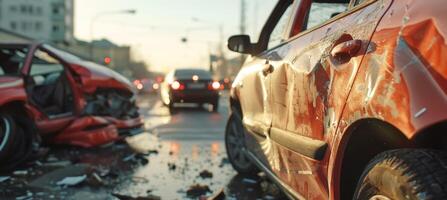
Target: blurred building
(100,51)
(11,37)
(43,20)
(109,54)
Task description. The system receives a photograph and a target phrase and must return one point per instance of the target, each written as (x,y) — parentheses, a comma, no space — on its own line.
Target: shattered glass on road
(180,157)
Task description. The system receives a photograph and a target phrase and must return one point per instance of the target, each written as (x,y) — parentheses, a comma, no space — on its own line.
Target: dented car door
(255,84)
(310,85)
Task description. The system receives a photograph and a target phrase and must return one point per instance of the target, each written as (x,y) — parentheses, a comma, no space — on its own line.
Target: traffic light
(107,60)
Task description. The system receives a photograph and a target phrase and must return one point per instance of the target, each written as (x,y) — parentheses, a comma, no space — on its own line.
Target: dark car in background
(147,86)
(190,86)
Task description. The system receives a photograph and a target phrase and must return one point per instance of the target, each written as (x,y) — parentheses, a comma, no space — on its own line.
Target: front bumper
(127,127)
(194,96)
(88,132)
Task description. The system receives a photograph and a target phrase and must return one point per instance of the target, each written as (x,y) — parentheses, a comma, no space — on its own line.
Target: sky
(156,30)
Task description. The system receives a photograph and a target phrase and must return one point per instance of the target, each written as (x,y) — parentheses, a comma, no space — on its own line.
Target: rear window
(189,73)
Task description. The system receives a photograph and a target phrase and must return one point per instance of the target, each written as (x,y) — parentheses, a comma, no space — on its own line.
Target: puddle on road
(165,162)
(177,166)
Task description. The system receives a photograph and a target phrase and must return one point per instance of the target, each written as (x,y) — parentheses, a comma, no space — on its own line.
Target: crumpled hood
(95,76)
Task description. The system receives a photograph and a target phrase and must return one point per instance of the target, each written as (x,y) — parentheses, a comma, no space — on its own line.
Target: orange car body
(315,118)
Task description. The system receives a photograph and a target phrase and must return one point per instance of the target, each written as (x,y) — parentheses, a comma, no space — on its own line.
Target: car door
(309,87)
(44,69)
(254,85)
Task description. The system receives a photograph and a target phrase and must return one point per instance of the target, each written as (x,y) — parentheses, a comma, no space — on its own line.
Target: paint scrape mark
(420,113)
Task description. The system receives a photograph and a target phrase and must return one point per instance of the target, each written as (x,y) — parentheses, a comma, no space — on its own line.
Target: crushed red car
(345,99)
(52,95)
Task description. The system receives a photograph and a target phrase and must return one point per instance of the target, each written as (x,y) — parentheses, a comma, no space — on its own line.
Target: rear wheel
(215,106)
(405,174)
(235,145)
(172,109)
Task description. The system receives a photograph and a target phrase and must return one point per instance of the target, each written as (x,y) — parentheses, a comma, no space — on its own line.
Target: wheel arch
(366,138)
(370,137)
(16,107)
(235,105)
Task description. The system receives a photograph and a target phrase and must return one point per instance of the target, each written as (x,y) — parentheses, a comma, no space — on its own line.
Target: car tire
(405,174)
(172,109)
(215,106)
(235,146)
(7,136)
(17,140)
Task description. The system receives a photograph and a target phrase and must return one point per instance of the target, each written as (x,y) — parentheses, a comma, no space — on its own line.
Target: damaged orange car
(345,100)
(50,94)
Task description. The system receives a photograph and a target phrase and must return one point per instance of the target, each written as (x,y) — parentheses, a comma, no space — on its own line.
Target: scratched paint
(403,81)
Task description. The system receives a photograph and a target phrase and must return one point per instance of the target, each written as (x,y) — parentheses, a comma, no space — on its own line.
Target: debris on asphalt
(72,181)
(142,159)
(4,178)
(206,174)
(224,162)
(52,158)
(126,197)
(138,179)
(29,195)
(249,181)
(220,195)
(154,151)
(172,166)
(20,173)
(197,190)
(57,163)
(95,180)
(38,163)
(129,158)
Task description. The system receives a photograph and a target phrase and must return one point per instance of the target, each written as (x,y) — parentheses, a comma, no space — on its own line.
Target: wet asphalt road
(166,162)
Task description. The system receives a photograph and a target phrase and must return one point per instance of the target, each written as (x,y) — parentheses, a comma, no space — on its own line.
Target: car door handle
(268,69)
(344,51)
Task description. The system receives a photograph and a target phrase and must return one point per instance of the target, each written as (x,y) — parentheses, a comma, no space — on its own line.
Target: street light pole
(220,30)
(96,17)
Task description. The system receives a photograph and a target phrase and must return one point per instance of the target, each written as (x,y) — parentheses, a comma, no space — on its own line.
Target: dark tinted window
(12,59)
(189,73)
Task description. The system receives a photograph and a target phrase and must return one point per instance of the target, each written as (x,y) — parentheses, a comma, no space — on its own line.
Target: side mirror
(240,44)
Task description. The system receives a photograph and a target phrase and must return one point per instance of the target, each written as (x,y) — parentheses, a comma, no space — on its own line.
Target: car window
(45,68)
(278,34)
(12,60)
(321,12)
(357,2)
(188,73)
